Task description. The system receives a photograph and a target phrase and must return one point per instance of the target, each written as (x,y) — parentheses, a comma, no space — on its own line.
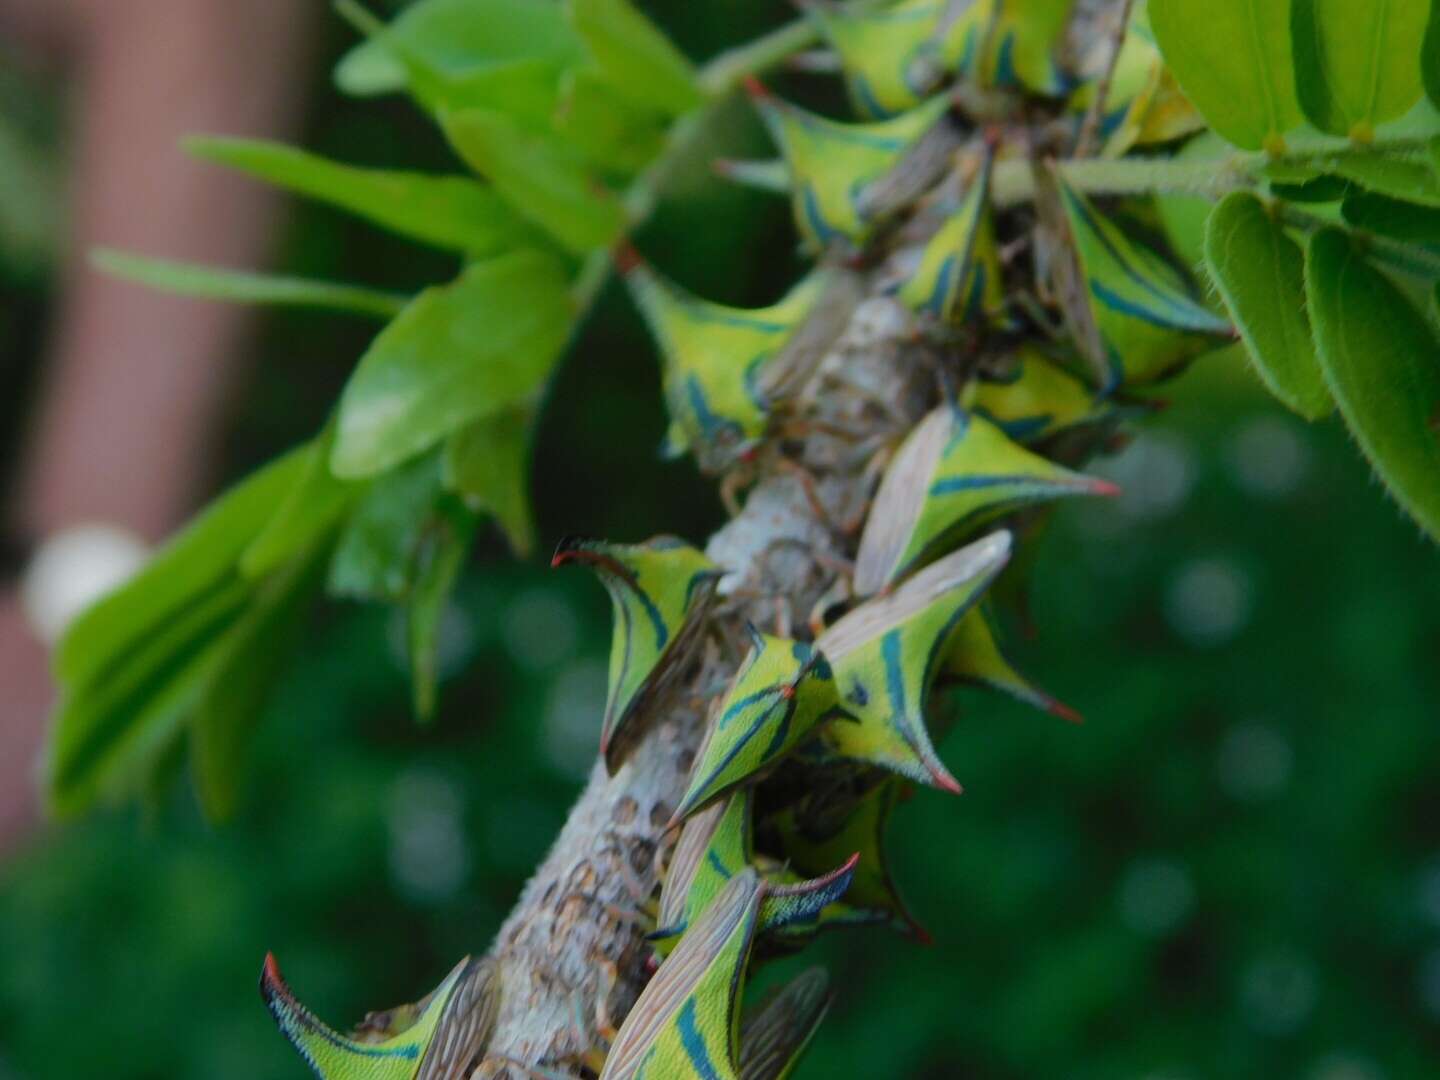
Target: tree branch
(574,949)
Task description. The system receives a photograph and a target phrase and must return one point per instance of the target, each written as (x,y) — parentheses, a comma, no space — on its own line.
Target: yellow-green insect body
(685,1024)
(831,164)
(660,591)
(715,358)
(1150,325)
(887,654)
(1145,104)
(1035,398)
(815,841)
(781,692)
(973,655)
(449,1029)
(890,56)
(955,472)
(715,845)
(958,274)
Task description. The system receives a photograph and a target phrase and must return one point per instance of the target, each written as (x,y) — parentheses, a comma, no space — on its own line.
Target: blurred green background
(1231,870)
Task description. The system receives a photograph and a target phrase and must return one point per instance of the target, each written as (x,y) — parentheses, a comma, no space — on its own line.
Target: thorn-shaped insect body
(775,1032)
(1148,322)
(813,839)
(890,55)
(715,845)
(660,591)
(1035,397)
(782,691)
(974,655)
(715,358)
(685,1024)
(954,472)
(887,654)
(831,164)
(1145,104)
(1011,44)
(450,1029)
(958,273)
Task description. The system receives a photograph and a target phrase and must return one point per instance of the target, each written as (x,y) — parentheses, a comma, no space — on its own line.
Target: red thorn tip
(787,692)
(1104,488)
(1159,404)
(748,455)
(272,983)
(1064,712)
(652,964)
(993,135)
(945,781)
(625,257)
(923,936)
(755,88)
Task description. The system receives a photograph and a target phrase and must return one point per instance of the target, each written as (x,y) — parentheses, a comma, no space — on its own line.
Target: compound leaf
(1356,65)
(1382,362)
(453,212)
(1260,273)
(244,287)
(1233,60)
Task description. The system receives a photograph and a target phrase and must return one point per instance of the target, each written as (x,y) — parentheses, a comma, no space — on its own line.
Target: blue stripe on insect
(694,1043)
(953,484)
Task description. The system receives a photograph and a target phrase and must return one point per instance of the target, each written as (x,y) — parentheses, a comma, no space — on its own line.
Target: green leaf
(132,666)
(441,555)
(487,464)
(1382,361)
(196,562)
(242,287)
(303,514)
(1356,64)
(1430,56)
(458,39)
(1233,60)
(637,58)
(1391,217)
(107,734)
(452,212)
(375,556)
(612,133)
(1409,178)
(240,679)
(458,352)
(541,175)
(1260,273)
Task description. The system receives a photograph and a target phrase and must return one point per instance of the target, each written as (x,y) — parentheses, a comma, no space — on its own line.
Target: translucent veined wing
(954,472)
(974,655)
(887,653)
(774,1033)
(714,846)
(1149,322)
(782,690)
(685,1024)
(660,591)
(715,357)
(831,164)
(448,1035)
(890,55)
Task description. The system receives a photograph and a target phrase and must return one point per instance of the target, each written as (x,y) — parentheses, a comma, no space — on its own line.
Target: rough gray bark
(572,953)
